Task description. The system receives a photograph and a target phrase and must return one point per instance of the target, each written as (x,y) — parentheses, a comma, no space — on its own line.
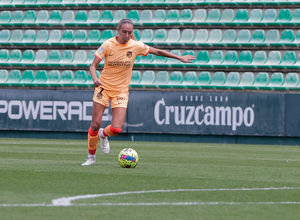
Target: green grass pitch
(43,179)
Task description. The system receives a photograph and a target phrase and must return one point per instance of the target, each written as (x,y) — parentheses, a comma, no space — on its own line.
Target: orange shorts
(117,99)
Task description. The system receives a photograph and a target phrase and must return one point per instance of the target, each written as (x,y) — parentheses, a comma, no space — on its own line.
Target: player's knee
(115,131)
(95,126)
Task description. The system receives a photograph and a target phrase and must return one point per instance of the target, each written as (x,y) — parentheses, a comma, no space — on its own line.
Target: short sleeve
(142,49)
(101,51)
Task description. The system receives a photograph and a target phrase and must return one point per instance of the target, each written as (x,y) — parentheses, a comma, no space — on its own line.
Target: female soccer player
(119,53)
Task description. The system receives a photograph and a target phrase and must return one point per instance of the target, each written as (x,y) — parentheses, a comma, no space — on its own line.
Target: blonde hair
(125,21)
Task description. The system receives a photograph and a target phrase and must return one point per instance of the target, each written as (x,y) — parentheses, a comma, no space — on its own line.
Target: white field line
(67,201)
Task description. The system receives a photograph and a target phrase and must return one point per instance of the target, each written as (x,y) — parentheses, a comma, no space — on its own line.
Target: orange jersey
(119,59)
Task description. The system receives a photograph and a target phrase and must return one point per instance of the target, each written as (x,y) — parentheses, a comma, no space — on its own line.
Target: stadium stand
(237,45)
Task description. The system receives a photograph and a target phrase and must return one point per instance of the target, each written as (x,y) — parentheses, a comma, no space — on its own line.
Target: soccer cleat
(104,142)
(89,161)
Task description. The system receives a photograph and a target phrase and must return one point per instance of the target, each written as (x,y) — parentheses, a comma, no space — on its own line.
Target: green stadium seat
(16,36)
(186,16)
(147,36)
(159,17)
(227,16)
(106,34)
(173,36)
(284,16)
(136,78)
(27,78)
(201,36)
(67,37)
(14,78)
(204,79)
(287,37)
(190,78)
(68,17)
(4,36)
(40,78)
(214,15)
(247,80)
(53,78)
(94,37)
(229,37)
(259,59)
(296,16)
(80,58)
(41,57)
(289,60)
(241,16)
(42,36)
(146,60)
(67,78)
(216,58)
(215,36)
(201,58)
(291,81)
(272,37)
(245,59)
(28,57)
(147,79)
(94,17)
(67,57)
(160,36)
(55,36)
(258,37)
(218,79)
(4,56)
(55,17)
(119,15)
(17,17)
(256,16)
(159,61)
(232,81)
(53,57)
(81,17)
(15,56)
(274,59)
(270,16)
(5,17)
(80,37)
(187,37)
(262,80)
(3,77)
(200,16)
(276,80)
(162,78)
(146,16)
(172,16)
(80,78)
(175,79)
(244,37)
(42,17)
(231,58)
(29,36)
(133,15)
(29,17)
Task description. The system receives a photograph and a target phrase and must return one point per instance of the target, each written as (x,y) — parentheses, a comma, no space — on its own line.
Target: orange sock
(111,131)
(93,139)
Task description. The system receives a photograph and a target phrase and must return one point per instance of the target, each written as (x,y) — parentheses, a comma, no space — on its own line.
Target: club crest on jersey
(129,54)
(101,49)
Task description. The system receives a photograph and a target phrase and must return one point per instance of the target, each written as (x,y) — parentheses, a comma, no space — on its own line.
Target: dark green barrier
(207,113)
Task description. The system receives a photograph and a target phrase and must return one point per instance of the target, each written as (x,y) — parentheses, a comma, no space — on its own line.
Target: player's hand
(97,82)
(187,58)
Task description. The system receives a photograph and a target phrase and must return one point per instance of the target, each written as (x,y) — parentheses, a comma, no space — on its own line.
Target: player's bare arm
(163,53)
(93,68)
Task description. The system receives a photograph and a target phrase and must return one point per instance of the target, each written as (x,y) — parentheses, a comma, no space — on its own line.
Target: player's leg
(93,136)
